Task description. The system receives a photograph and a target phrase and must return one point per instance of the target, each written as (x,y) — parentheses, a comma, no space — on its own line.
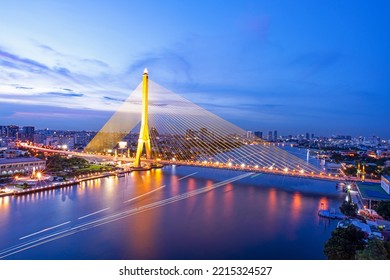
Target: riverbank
(56,185)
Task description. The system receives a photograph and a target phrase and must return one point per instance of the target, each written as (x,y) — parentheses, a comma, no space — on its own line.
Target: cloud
(166,64)
(66,94)
(312,63)
(47,115)
(96,62)
(113,99)
(39,83)
(13,61)
(256,25)
(68,57)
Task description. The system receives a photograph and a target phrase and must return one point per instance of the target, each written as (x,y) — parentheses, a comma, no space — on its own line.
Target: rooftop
(372,191)
(19,160)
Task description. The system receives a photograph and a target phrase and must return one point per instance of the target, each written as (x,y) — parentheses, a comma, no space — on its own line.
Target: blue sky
(295,66)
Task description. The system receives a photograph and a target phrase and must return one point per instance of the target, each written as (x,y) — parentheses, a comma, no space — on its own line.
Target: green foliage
(385,171)
(383,209)
(350,171)
(337,157)
(59,163)
(349,208)
(375,250)
(73,166)
(344,243)
(386,244)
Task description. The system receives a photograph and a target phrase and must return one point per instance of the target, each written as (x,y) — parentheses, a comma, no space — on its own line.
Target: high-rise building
(12,131)
(28,133)
(259,134)
(154,133)
(307,136)
(269,135)
(2,130)
(275,135)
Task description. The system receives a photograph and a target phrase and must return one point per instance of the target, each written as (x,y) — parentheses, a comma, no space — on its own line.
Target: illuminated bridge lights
(215,138)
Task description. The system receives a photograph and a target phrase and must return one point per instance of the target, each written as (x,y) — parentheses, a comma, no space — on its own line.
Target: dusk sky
(293,66)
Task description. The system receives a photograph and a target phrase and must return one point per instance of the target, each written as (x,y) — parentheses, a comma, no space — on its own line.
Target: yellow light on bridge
(229,164)
(285,169)
(256,166)
(302,171)
(242,165)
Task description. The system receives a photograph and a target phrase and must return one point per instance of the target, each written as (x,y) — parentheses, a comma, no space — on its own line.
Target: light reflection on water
(256,218)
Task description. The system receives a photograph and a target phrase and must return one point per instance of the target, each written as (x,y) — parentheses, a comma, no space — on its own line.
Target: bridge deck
(257,169)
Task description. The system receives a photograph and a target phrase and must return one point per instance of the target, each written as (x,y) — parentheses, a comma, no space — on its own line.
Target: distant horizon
(265,132)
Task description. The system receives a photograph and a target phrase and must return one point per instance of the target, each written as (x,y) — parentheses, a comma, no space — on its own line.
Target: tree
(350,171)
(349,208)
(383,209)
(344,243)
(387,247)
(375,250)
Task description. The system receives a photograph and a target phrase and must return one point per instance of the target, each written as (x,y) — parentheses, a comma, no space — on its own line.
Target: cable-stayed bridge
(155,125)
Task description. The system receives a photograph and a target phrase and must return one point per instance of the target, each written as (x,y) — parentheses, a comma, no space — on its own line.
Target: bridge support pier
(144,139)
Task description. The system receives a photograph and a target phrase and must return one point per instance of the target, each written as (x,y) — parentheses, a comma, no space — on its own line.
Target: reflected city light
(323,203)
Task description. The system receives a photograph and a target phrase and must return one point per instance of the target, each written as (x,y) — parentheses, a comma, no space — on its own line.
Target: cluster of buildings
(373,146)
(337,141)
(14,132)
(20,165)
(55,138)
(18,162)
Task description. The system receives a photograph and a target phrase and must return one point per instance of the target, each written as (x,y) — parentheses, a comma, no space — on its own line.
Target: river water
(176,212)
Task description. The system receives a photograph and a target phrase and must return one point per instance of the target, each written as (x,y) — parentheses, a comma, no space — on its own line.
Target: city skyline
(262,66)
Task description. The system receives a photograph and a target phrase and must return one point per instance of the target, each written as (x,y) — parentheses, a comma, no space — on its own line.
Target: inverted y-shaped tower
(144,138)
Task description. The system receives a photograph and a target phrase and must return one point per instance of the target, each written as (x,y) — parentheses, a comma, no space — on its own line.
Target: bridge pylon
(144,138)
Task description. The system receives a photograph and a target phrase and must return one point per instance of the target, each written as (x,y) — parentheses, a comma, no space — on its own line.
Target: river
(176,212)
